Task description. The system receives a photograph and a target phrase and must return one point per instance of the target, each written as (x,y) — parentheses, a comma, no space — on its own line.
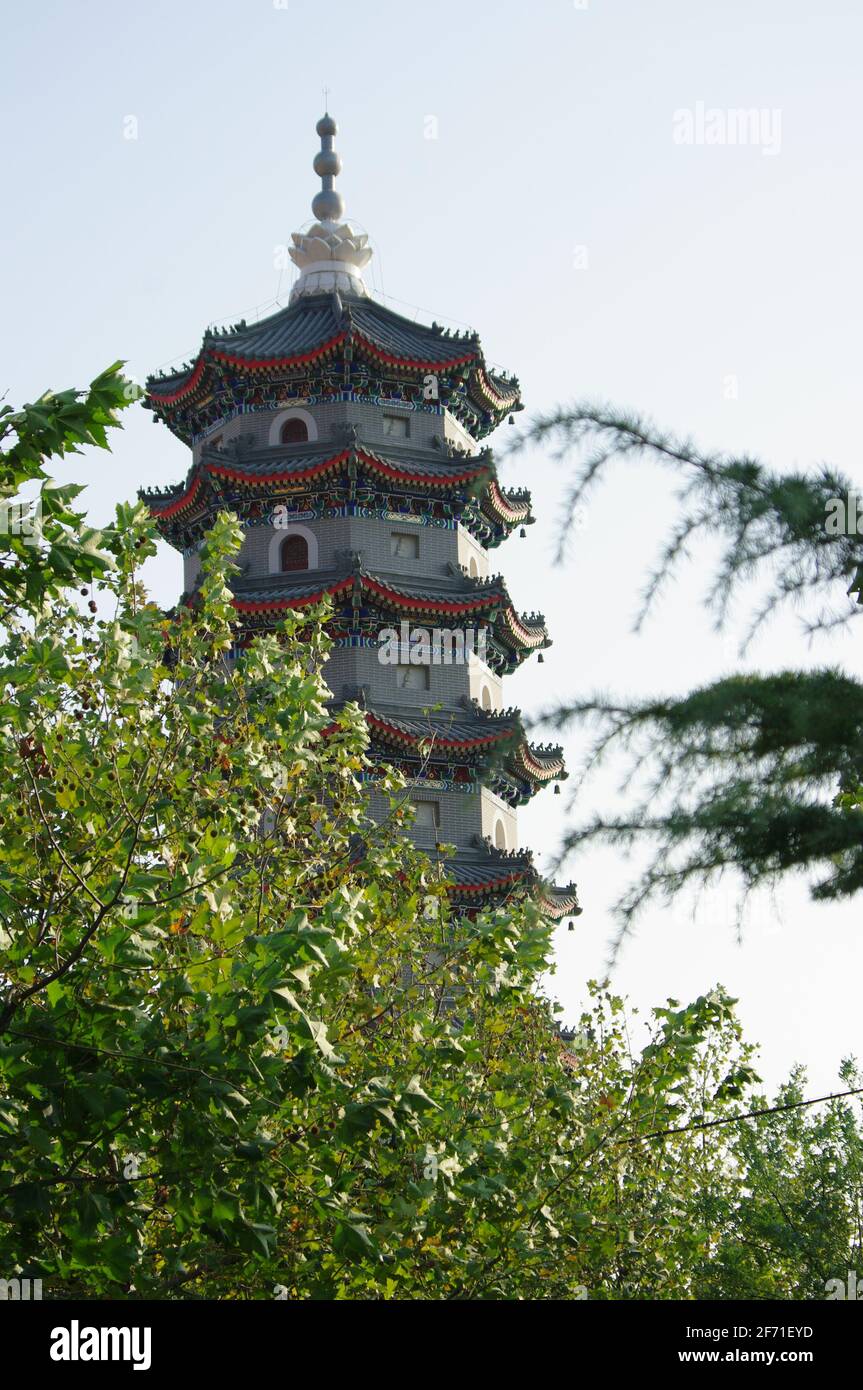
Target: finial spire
(331,256)
(328,205)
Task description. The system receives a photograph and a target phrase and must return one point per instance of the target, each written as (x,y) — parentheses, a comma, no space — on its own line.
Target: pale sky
(556,213)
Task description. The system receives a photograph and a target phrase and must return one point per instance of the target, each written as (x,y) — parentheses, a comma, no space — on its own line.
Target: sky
(556,176)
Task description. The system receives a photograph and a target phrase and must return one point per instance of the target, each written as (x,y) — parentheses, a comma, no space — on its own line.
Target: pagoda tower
(348,441)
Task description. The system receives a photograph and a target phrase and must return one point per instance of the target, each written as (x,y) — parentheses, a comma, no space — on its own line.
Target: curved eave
(554,903)
(197,377)
(494,606)
(487,604)
(492,885)
(558,903)
(535,766)
(486,391)
(305,336)
(523,634)
(180,500)
(276,606)
(391,595)
(369,463)
(188,383)
(439,741)
(497,505)
(540,766)
(411,364)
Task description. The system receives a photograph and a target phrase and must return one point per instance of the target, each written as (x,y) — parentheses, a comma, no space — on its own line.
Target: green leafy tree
(790,1221)
(245,1049)
(45,544)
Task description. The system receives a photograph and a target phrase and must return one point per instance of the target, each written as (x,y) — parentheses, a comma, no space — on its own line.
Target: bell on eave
(512,419)
(557,789)
(522,535)
(541,659)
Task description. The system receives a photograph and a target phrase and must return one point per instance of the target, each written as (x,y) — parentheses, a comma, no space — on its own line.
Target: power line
(748,1115)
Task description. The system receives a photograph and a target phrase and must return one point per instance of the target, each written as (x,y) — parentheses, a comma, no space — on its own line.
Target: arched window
(294,554)
(486,697)
(499,834)
(294,431)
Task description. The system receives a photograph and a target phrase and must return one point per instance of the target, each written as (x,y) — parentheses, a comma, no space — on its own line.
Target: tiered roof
(365,601)
(354,474)
(489,877)
(476,746)
(323,347)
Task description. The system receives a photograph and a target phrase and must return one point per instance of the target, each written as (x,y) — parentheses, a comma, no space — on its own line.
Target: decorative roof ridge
(514,494)
(483,581)
(548,750)
(145,493)
(477,851)
(506,856)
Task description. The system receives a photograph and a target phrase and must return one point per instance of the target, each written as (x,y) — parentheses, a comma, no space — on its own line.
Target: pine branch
(767,521)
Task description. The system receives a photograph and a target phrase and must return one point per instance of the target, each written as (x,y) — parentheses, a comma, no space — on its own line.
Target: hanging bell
(557,789)
(512,419)
(522,535)
(541,659)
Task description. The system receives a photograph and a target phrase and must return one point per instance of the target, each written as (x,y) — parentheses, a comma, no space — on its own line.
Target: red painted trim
(382,467)
(411,362)
(184,390)
(413,739)
(187,497)
(492,391)
(372,462)
(223,471)
(432,605)
(503,508)
(491,883)
(274,605)
(299,360)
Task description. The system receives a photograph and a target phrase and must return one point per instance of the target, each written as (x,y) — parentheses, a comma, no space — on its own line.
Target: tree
(760,774)
(789,1223)
(245,1049)
(44,543)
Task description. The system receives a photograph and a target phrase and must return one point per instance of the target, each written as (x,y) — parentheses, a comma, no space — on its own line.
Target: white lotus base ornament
(330,256)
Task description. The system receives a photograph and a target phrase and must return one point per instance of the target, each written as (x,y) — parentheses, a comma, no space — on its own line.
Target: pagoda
(348,440)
